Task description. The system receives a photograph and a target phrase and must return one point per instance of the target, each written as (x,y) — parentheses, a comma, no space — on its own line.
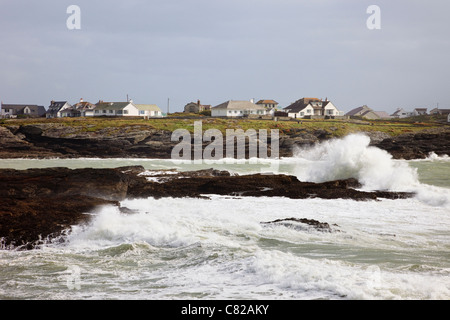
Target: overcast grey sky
(218,50)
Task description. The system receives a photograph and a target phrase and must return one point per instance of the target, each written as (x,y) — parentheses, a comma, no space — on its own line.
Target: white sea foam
(352,157)
(434,157)
(375,169)
(219,248)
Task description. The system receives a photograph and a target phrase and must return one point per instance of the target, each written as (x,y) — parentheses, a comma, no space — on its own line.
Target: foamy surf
(220,249)
(353,157)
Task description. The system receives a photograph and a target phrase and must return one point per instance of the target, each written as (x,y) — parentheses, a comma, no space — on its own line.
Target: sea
(220,248)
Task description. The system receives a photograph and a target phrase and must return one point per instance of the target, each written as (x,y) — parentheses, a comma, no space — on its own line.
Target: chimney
(81,100)
(198,102)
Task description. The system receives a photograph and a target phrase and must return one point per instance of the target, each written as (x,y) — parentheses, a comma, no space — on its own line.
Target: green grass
(337,128)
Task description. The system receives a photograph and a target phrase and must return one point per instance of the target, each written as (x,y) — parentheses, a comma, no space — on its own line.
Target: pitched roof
(358,110)
(301,104)
(147,107)
(18,108)
(111,105)
(397,112)
(238,105)
(267,102)
(82,105)
(382,114)
(57,104)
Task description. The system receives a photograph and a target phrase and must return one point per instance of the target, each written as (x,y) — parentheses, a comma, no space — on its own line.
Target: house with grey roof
(401,113)
(82,109)
(268,104)
(420,111)
(115,109)
(196,107)
(58,109)
(437,111)
(24,110)
(149,110)
(310,107)
(382,114)
(367,113)
(237,108)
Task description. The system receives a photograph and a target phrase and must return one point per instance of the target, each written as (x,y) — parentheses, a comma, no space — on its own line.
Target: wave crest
(352,157)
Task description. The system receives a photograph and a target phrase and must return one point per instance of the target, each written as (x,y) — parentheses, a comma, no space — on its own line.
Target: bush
(206,113)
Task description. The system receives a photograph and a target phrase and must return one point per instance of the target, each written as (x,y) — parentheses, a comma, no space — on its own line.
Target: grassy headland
(336,128)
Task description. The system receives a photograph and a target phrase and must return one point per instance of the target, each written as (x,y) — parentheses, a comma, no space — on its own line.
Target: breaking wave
(353,157)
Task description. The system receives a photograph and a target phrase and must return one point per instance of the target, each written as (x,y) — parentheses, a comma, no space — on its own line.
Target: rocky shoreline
(50,140)
(41,204)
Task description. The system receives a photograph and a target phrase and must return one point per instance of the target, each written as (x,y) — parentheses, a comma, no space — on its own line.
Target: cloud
(220,50)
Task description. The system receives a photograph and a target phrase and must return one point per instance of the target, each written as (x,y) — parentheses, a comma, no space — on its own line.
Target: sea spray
(352,157)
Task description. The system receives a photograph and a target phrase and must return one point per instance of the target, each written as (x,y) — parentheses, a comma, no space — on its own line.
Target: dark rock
(27,223)
(299,224)
(41,203)
(57,140)
(417,146)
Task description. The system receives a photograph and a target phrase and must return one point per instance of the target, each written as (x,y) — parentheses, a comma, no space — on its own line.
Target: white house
(115,109)
(149,110)
(268,104)
(83,109)
(308,107)
(58,109)
(400,113)
(329,109)
(419,111)
(233,108)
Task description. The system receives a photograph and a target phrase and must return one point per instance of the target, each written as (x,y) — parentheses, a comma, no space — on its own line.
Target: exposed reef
(55,140)
(40,204)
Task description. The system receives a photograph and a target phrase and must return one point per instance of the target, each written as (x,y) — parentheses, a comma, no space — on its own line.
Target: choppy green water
(219,249)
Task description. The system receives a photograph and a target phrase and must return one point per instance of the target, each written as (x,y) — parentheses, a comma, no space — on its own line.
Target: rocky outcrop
(302,224)
(58,140)
(417,145)
(39,204)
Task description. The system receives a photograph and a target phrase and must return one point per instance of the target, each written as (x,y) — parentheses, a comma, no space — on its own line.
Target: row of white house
(59,109)
(303,108)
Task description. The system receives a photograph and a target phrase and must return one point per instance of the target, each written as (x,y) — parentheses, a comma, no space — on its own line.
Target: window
(125,111)
(308,111)
(141,112)
(104,111)
(110,111)
(119,111)
(96,111)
